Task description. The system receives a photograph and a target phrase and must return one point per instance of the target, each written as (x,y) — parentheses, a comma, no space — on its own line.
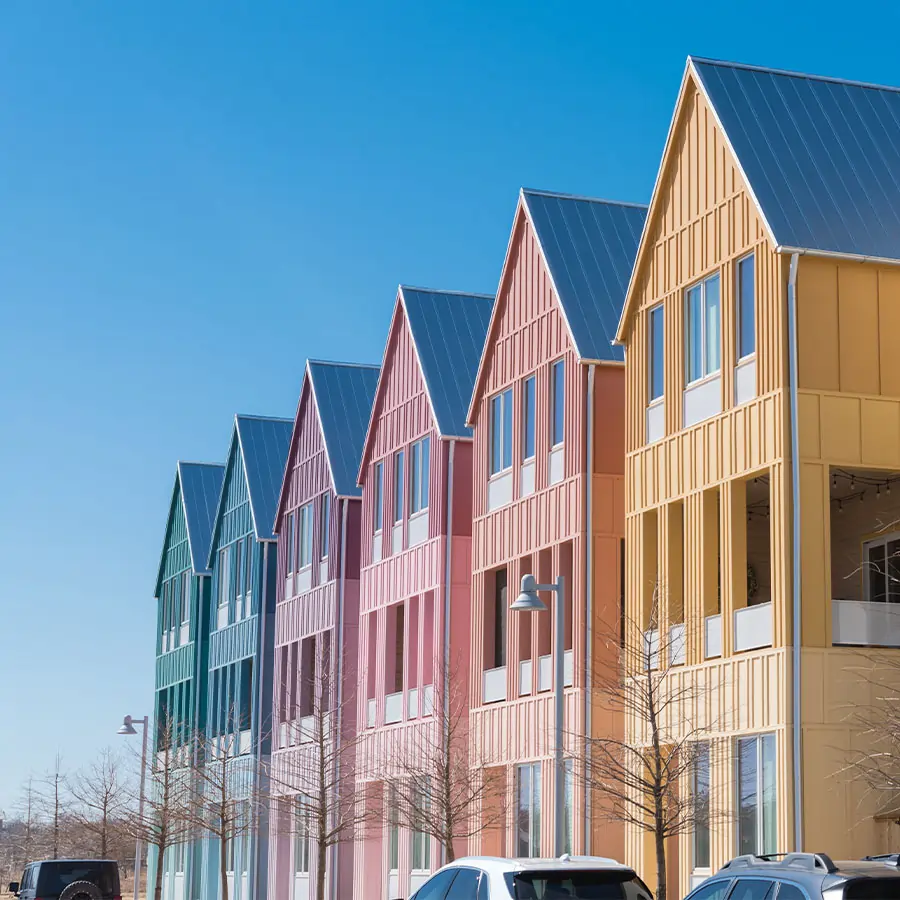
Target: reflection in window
(701,333)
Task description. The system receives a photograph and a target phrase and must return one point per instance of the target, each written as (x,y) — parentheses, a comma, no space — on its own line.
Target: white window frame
(301,842)
(652,363)
(504,399)
(534,833)
(378,498)
(760,788)
(325,526)
(398,500)
(739,304)
(305,529)
(419,473)
(706,369)
(558,365)
(420,851)
(883,540)
(529,419)
(703,752)
(291,566)
(224,585)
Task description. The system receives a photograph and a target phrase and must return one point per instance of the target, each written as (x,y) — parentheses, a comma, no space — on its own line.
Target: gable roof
(448,330)
(198,486)
(820,157)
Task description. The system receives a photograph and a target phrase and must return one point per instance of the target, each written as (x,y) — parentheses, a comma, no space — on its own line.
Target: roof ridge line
(334,362)
(262,418)
(194,462)
(792,74)
(542,193)
(426,290)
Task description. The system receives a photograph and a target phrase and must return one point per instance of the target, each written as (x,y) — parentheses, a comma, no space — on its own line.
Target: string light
(862,496)
(834,482)
(852,482)
(840,506)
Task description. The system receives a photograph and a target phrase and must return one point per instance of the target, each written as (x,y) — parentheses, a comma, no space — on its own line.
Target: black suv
(69,879)
(802,876)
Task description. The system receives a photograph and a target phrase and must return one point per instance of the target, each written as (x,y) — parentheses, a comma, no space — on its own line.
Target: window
(465,885)
(436,888)
(744,295)
(500,616)
(752,889)
(657,353)
(186,598)
(398,487)
(757,824)
(569,823)
(501,432)
(393,833)
(301,838)
(325,524)
(419,462)
(291,546)
(378,505)
(248,571)
(557,402)
(245,702)
(713,890)
(597,884)
(790,892)
(528,810)
(701,333)
(528,418)
(700,799)
(239,575)
(224,585)
(421,842)
(881,569)
(305,528)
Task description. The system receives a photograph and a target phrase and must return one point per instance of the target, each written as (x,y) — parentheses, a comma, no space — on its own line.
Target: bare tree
(51,797)
(639,777)
(101,797)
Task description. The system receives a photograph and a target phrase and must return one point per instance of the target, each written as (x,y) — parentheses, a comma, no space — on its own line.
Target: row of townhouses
(689,411)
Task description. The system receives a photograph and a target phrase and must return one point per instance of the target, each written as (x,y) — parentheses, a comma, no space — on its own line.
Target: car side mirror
(13,887)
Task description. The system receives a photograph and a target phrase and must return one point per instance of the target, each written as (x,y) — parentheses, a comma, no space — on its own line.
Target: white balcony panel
(753,627)
(370,713)
(308,729)
(417,879)
(557,465)
(301,887)
(222,616)
(397,537)
(393,708)
(863,624)
(376,547)
(713,629)
(526,478)
(525,683)
(428,700)
(656,422)
(304,579)
(394,885)
(745,381)
(184,634)
(289,586)
(412,703)
(418,528)
(323,570)
(650,652)
(244,742)
(282,735)
(545,673)
(677,645)
(568,668)
(494,686)
(500,490)
(702,400)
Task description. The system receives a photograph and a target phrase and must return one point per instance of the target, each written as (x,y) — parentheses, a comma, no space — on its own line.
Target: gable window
(657,350)
(305,529)
(224,586)
(757,809)
(557,402)
(528,418)
(378,500)
(239,578)
(501,432)
(419,464)
(744,296)
(881,569)
(325,524)
(185,607)
(702,332)
(291,546)
(248,568)
(398,486)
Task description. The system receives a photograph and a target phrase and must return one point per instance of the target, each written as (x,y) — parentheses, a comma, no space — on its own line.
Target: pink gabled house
(548,476)
(416,478)
(317,609)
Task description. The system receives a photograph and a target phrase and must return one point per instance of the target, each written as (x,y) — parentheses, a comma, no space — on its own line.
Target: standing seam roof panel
(265,444)
(201,484)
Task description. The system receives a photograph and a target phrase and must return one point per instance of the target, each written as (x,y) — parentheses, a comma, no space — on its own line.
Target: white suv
(566,878)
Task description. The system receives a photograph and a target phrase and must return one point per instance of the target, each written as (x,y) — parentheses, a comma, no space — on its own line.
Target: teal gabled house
(183,590)
(241,632)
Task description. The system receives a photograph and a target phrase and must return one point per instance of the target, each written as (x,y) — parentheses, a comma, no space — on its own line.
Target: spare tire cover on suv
(81,890)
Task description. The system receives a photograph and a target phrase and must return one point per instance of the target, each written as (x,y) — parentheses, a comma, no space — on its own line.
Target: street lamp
(127,728)
(528,601)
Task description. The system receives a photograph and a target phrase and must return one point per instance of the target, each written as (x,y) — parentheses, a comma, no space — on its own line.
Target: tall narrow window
(301,838)
(501,432)
(700,800)
(399,629)
(305,536)
(746,317)
(557,402)
(419,463)
(224,575)
(239,577)
(569,824)
(528,418)
(657,351)
(291,546)
(757,812)
(393,832)
(398,487)
(500,615)
(248,571)
(245,701)
(325,524)
(528,810)
(421,840)
(378,500)
(186,594)
(881,569)
(701,333)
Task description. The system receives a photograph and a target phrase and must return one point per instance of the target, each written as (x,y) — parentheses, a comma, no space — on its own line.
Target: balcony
(677,645)
(861,623)
(545,671)
(418,528)
(307,729)
(500,489)
(713,637)
(393,708)
(494,685)
(753,627)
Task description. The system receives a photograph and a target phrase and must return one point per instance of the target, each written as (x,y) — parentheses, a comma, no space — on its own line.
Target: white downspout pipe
(589,598)
(797,610)
(448,557)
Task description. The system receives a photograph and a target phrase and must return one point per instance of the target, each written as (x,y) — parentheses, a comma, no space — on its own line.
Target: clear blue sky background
(196,196)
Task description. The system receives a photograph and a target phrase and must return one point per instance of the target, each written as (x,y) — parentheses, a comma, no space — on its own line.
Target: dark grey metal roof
(201,484)
(344,394)
(589,248)
(821,156)
(264,445)
(448,330)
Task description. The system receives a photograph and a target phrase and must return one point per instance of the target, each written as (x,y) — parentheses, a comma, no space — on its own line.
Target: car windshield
(54,877)
(583,885)
(872,889)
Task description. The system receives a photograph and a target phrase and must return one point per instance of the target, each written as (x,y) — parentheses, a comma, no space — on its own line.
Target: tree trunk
(157,884)
(660,864)
(450,855)
(223,863)
(321,859)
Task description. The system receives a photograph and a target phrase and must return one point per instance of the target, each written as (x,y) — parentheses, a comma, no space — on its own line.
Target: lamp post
(528,601)
(127,728)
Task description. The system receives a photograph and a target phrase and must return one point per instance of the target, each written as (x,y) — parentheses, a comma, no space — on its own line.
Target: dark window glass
(500,618)
(528,419)
(378,505)
(745,316)
(657,350)
(496,435)
(54,877)
(711,890)
(752,889)
(701,807)
(465,885)
(872,889)
(599,885)
(398,487)
(326,524)
(790,892)
(484,888)
(558,375)
(246,697)
(436,887)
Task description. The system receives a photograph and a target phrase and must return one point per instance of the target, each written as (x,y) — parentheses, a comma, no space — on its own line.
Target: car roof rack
(889,859)
(797,860)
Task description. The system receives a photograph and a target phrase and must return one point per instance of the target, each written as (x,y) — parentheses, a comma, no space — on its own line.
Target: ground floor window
(528,810)
(421,842)
(301,838)
(569,823)
(757,813)
(700,800)
(881,569)
(393,833)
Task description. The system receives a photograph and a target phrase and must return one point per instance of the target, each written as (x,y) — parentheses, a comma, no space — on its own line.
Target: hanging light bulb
(877,490)
(840,506)
(862,496)
(834,481)
(852,482)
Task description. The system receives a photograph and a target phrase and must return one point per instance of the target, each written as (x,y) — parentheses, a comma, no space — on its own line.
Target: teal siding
(232,643)
(177,665)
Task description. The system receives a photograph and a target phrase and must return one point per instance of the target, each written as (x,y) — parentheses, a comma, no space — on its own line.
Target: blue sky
(196,196)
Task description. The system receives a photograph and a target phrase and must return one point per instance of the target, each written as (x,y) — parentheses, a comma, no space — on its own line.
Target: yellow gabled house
(762,336)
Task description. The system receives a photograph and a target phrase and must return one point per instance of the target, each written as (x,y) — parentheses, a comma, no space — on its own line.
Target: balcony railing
(307,729)
(494,685)
(545,671)
(861,623)
(393,708)
(677,645)
(753,627)
(713,637)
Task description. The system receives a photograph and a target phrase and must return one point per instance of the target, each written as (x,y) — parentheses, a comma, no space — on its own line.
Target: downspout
(448,557)
(589,599)
(339,696)
(795,490)
(260,698)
